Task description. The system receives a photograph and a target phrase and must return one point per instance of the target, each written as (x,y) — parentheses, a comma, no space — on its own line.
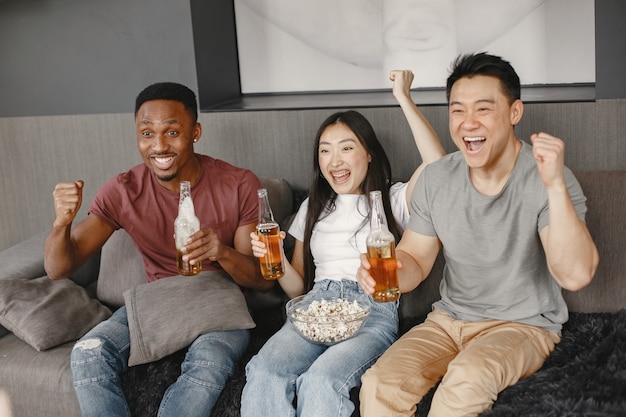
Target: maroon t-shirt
(224,198)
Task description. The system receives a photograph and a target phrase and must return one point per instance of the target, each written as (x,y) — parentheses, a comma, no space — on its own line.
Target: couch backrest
(606,220)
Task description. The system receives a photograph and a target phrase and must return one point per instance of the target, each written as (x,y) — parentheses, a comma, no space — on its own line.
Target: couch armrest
(24,260)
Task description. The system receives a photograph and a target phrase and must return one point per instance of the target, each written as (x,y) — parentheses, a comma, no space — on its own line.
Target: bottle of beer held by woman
(272,265)
(185,225)
(381,253)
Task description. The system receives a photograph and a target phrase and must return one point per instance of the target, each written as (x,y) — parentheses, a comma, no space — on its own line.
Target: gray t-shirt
(495,262)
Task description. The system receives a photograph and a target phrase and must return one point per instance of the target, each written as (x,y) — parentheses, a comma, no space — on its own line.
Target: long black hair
(321,195)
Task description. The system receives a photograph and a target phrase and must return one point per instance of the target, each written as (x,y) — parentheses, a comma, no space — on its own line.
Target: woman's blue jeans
(320,376)
(101,356)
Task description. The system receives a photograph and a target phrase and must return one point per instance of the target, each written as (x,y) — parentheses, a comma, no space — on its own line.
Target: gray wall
(90,56)
(61,57)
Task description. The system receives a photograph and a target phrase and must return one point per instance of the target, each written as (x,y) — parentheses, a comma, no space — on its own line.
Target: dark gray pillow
(46,313)
(165,316)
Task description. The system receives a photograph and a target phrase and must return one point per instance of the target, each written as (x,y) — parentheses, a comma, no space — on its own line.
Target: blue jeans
(99,357)
(320,376)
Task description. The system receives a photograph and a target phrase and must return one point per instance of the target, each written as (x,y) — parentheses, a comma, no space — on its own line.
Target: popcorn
(329,321)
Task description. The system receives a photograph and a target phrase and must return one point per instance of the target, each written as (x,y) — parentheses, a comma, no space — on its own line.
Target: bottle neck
(377,216)
(185,204)
(185,191)
(265,211)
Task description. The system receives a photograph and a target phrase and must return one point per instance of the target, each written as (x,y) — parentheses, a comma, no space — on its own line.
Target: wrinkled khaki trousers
(477,360)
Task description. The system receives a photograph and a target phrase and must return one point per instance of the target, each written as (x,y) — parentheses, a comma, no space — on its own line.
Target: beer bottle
(185,225)
(272,265)
(381,252)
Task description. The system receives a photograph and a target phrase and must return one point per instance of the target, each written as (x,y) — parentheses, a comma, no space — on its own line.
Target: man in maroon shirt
(144,201)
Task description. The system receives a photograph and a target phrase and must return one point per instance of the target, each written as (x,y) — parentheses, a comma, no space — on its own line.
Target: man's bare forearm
(59,253)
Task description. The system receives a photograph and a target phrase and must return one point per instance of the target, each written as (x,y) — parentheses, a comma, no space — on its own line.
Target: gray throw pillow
(166,315)
(46,313)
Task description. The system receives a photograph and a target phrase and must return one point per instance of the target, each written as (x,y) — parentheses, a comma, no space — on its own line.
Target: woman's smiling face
(343,160)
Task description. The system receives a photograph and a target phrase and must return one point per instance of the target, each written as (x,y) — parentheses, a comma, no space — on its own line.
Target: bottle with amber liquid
(381,253)
(185,225)
(272,264)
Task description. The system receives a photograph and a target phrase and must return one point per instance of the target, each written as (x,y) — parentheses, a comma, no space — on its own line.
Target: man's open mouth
(473,144)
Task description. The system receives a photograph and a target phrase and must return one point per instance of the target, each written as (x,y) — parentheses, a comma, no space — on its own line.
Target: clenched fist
(68,197)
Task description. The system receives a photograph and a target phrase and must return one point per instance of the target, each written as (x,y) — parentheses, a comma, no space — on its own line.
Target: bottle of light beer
(272,265)
(185,225)
(381,252)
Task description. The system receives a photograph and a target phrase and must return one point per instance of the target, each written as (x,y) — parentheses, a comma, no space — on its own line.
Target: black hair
(482,63)
(169,91)
(321,195)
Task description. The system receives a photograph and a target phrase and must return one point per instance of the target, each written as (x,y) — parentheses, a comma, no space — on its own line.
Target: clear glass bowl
(328,320)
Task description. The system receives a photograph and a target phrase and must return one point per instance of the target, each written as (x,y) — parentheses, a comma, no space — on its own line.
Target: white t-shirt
(338,239)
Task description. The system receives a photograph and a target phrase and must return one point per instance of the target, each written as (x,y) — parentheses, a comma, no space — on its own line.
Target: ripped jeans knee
(103,352)
(91,362)
(90,344)
(86,350)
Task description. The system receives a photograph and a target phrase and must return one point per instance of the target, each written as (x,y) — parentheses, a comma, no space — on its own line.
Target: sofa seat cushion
(37,383)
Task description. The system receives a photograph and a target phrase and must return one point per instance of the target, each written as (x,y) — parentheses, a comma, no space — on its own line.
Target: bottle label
(186,223)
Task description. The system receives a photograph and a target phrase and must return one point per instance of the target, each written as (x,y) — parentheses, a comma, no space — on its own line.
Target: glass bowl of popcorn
(328,320)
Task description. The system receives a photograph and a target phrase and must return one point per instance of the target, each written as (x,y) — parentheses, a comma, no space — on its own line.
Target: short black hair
(481,63)
(169,91)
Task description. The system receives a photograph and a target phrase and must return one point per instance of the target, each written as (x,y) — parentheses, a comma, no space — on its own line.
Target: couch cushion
(121,268)
(166,315)
(46,313)
(606,220)
(38,383)
(280,195)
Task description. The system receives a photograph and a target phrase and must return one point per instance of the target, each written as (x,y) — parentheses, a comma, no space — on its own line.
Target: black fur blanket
(584,377)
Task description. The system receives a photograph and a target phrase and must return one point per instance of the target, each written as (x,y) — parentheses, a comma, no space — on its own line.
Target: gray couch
(39,383)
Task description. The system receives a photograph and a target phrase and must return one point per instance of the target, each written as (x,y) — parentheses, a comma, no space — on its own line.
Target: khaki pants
(477,360)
